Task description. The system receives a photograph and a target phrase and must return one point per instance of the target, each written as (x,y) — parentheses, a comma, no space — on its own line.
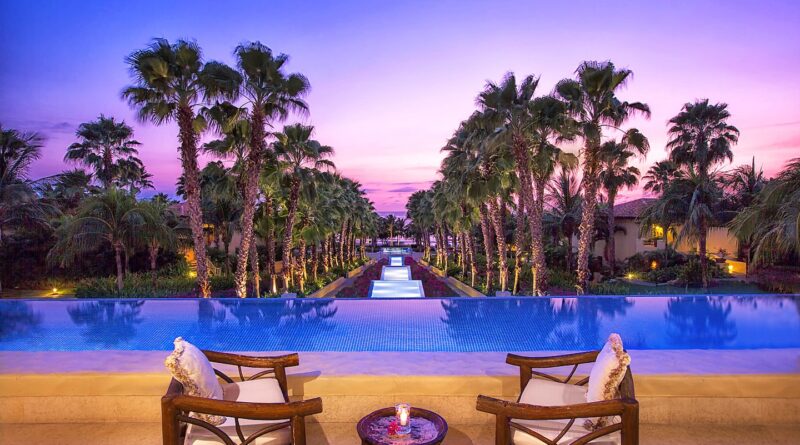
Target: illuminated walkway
(396,282)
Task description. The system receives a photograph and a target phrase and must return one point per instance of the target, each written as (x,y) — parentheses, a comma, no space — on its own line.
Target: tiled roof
(632,209)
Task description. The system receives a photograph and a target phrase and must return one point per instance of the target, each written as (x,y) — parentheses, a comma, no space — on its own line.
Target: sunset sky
(391,80)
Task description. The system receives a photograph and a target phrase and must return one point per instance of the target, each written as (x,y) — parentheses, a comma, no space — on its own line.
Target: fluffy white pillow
(190,366)
(607,373)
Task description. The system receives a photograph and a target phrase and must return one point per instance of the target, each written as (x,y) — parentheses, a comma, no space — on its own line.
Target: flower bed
(361,283)
(434,287)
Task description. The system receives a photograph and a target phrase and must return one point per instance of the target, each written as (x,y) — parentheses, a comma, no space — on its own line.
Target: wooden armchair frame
(176,406)
(626,407)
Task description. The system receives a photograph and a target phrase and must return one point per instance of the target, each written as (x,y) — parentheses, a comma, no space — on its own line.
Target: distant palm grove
(502,217)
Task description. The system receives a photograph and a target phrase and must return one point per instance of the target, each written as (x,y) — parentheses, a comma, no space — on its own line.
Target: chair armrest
(246,410)
(552,361)
(250,361)
(524,411)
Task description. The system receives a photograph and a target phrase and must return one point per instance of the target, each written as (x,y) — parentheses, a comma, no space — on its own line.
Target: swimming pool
(454,324)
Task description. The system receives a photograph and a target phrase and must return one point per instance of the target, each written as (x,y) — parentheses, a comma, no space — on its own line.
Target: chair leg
(630,424)
(502,430)
(170,427)
(298,430)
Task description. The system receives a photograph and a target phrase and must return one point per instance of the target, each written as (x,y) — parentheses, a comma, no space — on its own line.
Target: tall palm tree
(701,139)
(616,174)
(299,157)
(107,147)
(113,218)
(171,83)
(592,100)
(272,95)
(550,124)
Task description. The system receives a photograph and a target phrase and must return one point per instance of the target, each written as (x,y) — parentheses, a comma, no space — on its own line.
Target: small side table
(427,428)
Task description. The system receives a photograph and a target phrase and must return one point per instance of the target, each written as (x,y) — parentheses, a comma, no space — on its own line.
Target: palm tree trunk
(497,223)
(586,229)
(519,241)
(702,241)
(314,261)
(270,241)
(611,244)
(153,251)
(488,247)
(118,258)
(301,263)
(473,269)
(539,267)
(191,174)
(294,194)
(342,238)
(252,170)
(255,269)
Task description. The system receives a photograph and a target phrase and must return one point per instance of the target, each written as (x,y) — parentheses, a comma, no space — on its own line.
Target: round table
(428,429)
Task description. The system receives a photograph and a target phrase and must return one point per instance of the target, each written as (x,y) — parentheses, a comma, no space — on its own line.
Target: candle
(403,413)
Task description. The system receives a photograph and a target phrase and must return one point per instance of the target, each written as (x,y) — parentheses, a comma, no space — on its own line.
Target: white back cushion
(607,373)
(190,366)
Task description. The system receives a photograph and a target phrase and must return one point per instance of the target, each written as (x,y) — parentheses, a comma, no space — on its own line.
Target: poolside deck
(345,434)
(716,397)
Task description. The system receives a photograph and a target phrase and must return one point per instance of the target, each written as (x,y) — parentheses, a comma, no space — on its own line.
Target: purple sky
(391,80)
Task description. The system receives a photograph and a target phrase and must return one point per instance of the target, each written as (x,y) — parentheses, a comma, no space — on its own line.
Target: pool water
(455,324)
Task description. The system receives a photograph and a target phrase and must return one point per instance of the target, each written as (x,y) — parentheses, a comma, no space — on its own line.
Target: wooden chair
(257,407)
(551,410)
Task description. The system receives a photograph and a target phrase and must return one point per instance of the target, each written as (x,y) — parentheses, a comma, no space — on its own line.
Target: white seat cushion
(546,393)
(255,391)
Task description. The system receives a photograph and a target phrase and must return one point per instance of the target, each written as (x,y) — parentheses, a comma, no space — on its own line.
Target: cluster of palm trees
(505,168)
(281,186)
(505,155)
(241,104)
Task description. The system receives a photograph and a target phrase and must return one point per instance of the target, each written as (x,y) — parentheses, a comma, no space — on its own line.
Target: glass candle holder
(403,414)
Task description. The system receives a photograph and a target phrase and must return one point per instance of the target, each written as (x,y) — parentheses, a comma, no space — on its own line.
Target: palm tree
(171,82)
(772,222)
(107,147)
(700,139)
(113,218)
(745,181)
(550,124)
(19,204)
(616,174)
(299,157)
(592,100)
(158,231)
(272,96)
(660,175)
(565,204)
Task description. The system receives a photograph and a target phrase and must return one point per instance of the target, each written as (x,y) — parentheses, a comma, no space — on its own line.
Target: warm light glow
(654,265)
(730,268)
(55,290)
(192,274)
(658,231)
(630,275)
